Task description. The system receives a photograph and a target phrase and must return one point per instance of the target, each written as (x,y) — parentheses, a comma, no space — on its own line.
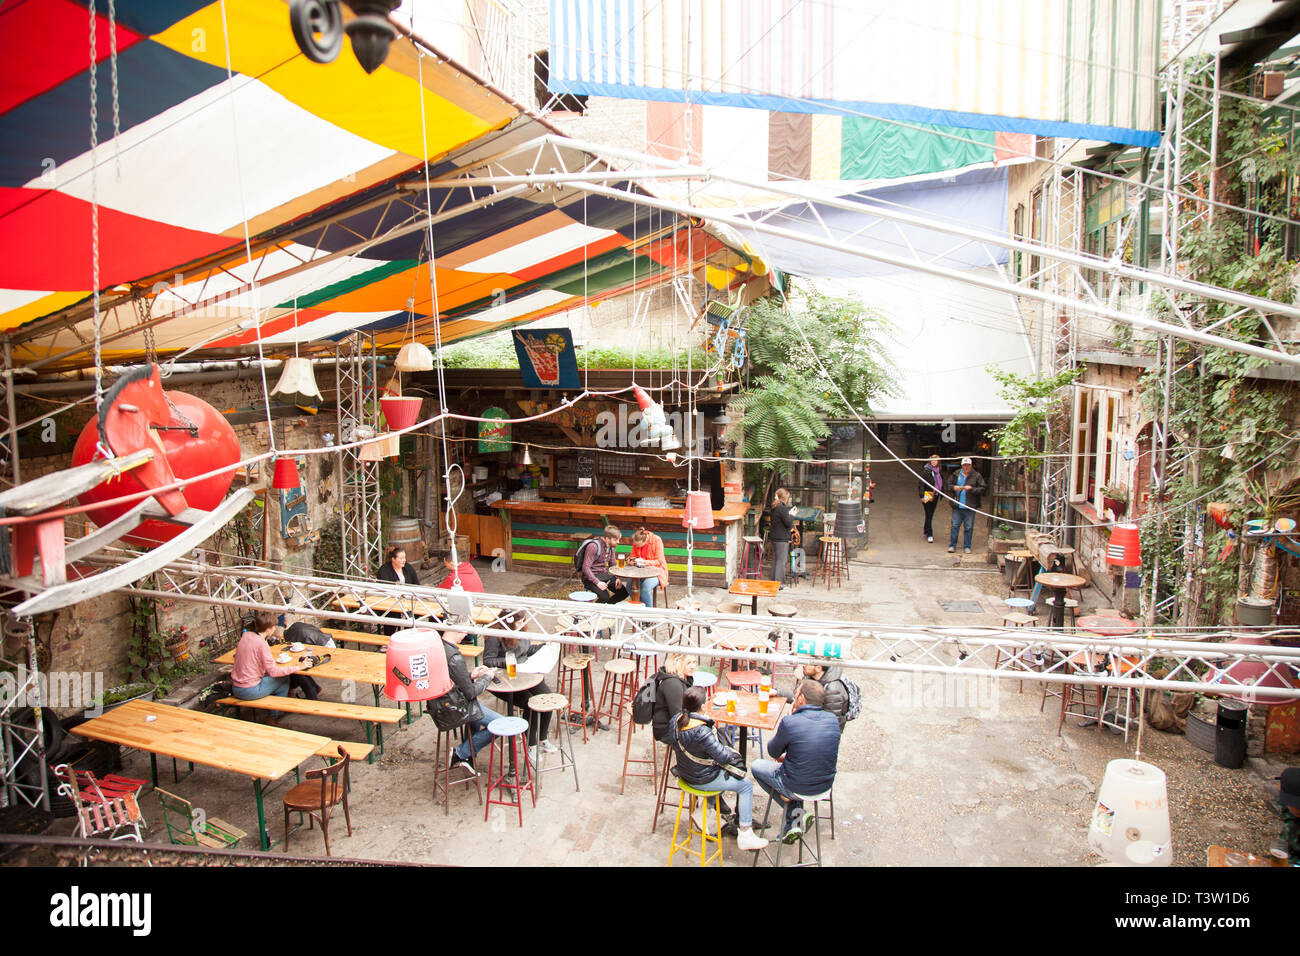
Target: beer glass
(731,701)
(510,664)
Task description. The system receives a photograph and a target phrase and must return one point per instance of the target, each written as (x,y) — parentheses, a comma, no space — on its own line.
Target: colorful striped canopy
(244,192)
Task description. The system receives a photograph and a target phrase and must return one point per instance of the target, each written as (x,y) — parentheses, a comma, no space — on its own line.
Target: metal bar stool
(830,559)
(705,839)
(442,751)
(616,690)
(817,818)
(572,665)
(514,730)
(653,762)
(556,704)
(751,557)
(1083,662)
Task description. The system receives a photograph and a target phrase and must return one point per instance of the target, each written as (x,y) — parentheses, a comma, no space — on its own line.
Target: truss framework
(359,512)
(1162,662)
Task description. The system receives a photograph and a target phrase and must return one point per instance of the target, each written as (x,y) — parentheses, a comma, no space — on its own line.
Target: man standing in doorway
(929,486)
(967,487)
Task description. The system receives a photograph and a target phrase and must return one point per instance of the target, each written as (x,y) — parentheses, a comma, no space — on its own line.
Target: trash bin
(1230,735)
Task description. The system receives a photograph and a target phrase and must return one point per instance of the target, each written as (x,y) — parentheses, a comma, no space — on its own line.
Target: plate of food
(283,659)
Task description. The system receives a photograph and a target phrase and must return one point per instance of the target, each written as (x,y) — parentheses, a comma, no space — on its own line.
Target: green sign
(821,646)
(493,436)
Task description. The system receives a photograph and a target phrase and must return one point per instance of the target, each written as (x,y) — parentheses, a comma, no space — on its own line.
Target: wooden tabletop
(746,714)
(743,641)
(386,604)
(1106,625)
(501,684)
(1058,579)
(589,626)
(240,746)
(637,574)
(754,588)
(344,664)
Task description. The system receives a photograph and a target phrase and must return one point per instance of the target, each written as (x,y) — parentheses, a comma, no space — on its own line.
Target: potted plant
(177,641)
(1115,498)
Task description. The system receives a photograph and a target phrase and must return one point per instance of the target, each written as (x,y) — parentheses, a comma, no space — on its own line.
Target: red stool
(515,730)
(751,557)
(830,559)
(629,759)
(616,691)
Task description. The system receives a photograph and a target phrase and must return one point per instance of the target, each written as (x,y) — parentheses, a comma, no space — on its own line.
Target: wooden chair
(318,795)
(184,829)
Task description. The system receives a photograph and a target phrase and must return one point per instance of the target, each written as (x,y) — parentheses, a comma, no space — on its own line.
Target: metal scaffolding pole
(359,513)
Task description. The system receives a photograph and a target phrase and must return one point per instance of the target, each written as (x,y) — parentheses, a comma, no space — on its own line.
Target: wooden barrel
(404,532)
(462,546)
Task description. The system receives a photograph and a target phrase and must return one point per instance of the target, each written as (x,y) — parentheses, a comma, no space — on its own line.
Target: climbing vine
(1231,432)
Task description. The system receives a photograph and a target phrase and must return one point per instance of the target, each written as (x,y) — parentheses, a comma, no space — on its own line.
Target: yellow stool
(705,839)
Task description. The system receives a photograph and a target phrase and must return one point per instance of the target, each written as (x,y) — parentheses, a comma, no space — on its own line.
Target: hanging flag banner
(547,358)
(1044,67)
(493,436)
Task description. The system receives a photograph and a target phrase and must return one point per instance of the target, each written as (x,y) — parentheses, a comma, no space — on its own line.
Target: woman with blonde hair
(648,552)
(670,684)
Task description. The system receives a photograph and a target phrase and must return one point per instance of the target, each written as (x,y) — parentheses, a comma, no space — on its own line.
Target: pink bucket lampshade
(699,511)
(401,411)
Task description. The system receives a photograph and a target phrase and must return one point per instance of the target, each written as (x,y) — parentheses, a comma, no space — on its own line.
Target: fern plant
(805,352)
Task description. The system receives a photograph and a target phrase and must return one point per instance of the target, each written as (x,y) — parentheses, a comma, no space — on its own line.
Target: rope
(437,333)
(94,225)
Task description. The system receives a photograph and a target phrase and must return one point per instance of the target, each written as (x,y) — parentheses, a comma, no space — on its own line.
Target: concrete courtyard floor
(936,771)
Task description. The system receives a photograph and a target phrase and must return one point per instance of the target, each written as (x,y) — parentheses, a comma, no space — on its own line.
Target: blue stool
(581,596)
(514,729)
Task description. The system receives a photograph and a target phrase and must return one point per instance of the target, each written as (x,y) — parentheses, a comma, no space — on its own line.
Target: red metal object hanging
(285,477)
(195,439)
(1125,549)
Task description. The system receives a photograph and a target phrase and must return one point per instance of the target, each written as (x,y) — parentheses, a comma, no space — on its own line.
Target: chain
(94,213)
(112,63)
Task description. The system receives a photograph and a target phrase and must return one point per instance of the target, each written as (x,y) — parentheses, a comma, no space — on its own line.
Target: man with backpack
(843,699)
(593,558)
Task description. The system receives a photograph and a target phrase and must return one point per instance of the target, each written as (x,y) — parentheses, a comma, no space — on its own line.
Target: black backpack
(577,555)
(854,695)
(643,704)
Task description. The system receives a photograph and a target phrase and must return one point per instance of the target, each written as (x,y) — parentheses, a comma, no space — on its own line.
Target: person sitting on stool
(806,746)
(596,562)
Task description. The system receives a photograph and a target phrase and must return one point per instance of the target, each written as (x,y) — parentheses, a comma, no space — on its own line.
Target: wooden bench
(376,716)
(356,637)
(357,751)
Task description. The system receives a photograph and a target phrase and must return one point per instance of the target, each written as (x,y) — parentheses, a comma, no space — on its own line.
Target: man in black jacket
(463,699)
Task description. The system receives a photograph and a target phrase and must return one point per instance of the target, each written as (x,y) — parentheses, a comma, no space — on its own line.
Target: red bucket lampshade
(416,666)
(699,511)
(286,475)
(1124,550)
(401,411)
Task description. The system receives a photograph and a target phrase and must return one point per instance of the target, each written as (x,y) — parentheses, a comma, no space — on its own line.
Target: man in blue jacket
(806,746)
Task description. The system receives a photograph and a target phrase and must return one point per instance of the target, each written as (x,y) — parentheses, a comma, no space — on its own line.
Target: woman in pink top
(648,552)
(256,674)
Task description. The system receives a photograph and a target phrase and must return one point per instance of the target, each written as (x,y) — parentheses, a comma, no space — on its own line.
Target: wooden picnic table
(380,641)
(746,716)
(254,750)
(388,604)
(754,589)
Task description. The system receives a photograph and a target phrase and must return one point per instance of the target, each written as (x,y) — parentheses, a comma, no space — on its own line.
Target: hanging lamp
(297,385)
(699,511)
(285,477)
(528,459)
(414,356)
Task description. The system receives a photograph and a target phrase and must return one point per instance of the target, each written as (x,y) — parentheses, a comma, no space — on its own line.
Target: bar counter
(544,534)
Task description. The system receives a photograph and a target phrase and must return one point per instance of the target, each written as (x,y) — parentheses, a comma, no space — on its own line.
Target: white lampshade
(414,357)
(297,384)
(1130,824)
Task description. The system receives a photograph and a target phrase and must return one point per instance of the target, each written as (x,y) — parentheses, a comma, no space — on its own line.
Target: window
(1036,217)
(1018,257)
(1094,453)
